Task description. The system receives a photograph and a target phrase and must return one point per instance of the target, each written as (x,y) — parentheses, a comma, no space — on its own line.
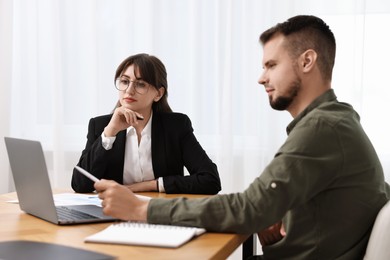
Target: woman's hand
(122,118)
(120,202)
(143,186)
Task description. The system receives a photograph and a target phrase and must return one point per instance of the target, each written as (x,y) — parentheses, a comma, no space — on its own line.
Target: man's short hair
(304,32)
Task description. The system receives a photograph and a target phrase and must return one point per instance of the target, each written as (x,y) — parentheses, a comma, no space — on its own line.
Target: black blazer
(174,146)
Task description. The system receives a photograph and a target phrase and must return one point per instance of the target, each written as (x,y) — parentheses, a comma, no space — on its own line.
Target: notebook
(34,191)
(144,234)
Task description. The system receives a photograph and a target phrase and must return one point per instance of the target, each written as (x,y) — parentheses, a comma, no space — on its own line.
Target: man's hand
(272,234)
(120,202)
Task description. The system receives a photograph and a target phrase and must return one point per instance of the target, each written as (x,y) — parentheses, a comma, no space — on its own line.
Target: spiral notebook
(143,234)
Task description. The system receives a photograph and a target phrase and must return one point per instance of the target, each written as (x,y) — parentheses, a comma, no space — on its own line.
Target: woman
(143,144)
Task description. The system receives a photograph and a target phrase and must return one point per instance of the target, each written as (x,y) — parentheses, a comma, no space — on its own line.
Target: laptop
(34,191)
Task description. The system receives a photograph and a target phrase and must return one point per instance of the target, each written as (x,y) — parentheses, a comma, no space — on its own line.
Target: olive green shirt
(326,183)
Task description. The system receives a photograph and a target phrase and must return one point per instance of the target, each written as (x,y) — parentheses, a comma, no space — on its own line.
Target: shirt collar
(147,129)
(328,96)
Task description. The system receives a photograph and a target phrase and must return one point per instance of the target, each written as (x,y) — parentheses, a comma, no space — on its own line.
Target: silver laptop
(34,191)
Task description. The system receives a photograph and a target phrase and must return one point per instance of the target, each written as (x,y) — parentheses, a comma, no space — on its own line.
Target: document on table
(68,199)
(144,234)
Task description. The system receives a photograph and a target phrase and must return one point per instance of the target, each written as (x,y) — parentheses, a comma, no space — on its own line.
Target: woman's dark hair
(152,71)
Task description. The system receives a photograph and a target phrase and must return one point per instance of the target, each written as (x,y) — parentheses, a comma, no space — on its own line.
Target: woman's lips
(129,100)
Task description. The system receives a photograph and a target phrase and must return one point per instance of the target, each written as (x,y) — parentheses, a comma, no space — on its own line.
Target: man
(325,186)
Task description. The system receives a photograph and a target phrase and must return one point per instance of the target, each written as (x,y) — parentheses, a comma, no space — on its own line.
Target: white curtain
(58,58)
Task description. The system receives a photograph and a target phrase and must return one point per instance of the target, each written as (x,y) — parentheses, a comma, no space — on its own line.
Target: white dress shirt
(138,158)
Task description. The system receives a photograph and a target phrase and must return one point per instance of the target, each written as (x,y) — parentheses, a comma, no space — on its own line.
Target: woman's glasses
(140,86)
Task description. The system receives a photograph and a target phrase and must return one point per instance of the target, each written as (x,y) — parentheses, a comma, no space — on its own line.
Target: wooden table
(17,225)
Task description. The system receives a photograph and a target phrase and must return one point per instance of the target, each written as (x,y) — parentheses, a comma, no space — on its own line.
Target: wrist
(139,211)
(109,132)
(143,212)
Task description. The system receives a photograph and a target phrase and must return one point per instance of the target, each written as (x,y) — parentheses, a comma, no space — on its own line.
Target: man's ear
(308,60)
(160,93)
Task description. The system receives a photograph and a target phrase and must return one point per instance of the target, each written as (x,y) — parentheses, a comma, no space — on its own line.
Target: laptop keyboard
(65,213)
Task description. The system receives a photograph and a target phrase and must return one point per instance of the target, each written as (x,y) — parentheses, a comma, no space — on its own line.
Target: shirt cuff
(161,185)
(159,211)
(107,142)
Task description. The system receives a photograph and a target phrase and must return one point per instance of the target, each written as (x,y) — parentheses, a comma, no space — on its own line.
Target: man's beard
(283,102)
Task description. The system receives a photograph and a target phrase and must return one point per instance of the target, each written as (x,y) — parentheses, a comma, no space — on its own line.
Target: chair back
(378,247)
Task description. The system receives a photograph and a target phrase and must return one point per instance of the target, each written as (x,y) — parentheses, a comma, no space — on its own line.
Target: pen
(87,174)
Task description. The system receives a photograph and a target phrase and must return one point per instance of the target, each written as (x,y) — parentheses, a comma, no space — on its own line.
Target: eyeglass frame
(133,83)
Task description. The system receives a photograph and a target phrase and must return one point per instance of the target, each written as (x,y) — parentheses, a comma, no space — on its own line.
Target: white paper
(68,199)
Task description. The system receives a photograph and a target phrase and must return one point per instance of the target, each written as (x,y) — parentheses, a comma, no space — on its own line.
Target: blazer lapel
(119,153)
(158,146)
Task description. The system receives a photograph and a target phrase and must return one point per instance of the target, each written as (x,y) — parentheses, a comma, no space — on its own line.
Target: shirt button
(273,185)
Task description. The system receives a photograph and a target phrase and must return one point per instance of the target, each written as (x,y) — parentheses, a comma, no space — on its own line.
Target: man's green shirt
(325,183)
